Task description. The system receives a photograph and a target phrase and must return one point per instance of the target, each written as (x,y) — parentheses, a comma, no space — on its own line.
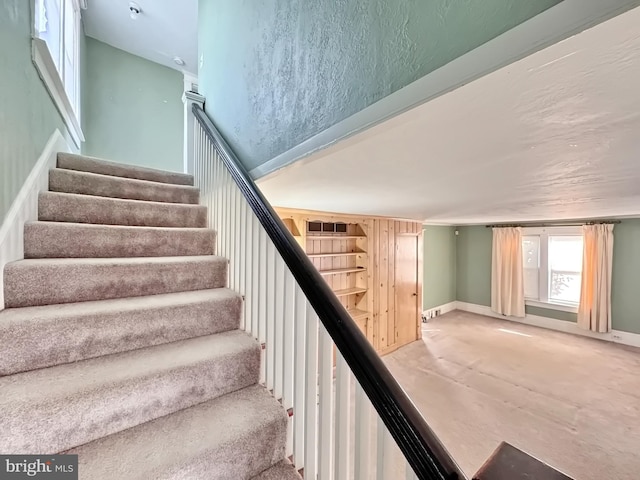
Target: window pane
(565,268)
(531,282)
(531,264)
(48,27)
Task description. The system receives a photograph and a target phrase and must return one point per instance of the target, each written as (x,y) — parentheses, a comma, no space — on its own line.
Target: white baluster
(242,270)
(229,212)
(362,458)
(384,466)
(343,418)
(237,237)
(311,396)
(232,233)
(299,373)
(326,397)
(289,333)
(255,279)
(270,286)
(409,473)
(248,270)
(279,327)
(225,211)
(288,351)
(215,198)
(262,312)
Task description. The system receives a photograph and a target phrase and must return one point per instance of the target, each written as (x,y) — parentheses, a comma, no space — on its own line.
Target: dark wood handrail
(419,444)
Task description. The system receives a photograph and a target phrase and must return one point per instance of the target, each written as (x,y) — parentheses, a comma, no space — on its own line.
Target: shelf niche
(339,252)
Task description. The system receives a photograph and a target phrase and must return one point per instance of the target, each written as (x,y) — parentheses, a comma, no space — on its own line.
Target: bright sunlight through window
(552,266)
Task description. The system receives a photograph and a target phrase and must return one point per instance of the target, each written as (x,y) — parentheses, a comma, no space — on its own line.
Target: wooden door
(407,288)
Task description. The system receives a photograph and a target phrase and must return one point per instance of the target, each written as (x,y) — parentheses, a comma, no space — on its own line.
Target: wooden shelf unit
(349,291)
(339,252)
(338,271)
(374,267)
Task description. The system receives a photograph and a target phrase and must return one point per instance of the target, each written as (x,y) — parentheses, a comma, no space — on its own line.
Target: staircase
(121,344)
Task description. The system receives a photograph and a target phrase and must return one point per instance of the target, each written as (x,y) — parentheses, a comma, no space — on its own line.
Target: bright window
(552,261)
(57,22)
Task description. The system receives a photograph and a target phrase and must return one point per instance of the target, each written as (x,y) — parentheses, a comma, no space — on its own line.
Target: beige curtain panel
(507,276)
(594,312)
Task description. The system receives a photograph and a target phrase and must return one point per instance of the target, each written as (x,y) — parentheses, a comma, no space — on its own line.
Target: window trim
(551,231)
(46,67)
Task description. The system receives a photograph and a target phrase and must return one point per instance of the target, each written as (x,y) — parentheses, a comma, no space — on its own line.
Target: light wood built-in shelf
(334,237)
(372,264)
(336,254)
(349,291)
(358,314)
(336,271)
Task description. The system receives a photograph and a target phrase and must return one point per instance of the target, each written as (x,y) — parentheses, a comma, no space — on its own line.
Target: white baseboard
(25,206)
(445,308)
(616,336)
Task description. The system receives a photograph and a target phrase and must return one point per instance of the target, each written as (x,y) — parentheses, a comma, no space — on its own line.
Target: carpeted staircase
(120,342)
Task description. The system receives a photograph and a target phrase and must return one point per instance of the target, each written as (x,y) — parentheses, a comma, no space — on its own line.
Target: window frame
(543,301)
(52,77)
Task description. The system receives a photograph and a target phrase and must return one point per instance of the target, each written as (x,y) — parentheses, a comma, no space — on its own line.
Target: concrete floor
(571,401)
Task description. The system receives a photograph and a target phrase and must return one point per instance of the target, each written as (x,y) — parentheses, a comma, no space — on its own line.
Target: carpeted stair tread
(85,183)
(280,471)
(38,337)
(58,408)
(104,167)
(50,281)
(84,240)
(232,437)
(70,207)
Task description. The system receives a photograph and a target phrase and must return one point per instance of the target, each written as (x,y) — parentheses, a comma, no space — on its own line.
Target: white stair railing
(334,432)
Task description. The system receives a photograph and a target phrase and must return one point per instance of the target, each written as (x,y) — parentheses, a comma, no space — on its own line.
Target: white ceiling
(165,29)
(553,136)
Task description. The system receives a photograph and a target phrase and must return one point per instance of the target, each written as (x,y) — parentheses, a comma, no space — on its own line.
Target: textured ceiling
(165,29)
(553,136)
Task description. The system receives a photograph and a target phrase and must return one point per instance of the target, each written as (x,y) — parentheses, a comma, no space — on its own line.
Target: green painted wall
(439,280)
(473,274)
(277,72)
(133,109)
(28,116)
(473,265)
(625,285)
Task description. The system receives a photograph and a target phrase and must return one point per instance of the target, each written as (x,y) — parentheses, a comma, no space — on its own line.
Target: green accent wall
(275,73)
(28,116)
(133,109)
(439,258)
(625,284)
(473,274)
(473,265)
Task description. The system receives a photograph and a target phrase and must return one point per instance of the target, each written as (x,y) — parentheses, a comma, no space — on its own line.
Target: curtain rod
(540,225)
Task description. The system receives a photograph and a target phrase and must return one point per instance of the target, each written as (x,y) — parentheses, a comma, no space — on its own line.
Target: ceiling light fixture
(134,10)
(179,61)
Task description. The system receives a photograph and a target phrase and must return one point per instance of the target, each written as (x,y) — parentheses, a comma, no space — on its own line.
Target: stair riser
(47,340)
(258,452)
(69,283)
(113,408)
(60,207)
(70,181)
(232,437)
(65,240)
(102,167)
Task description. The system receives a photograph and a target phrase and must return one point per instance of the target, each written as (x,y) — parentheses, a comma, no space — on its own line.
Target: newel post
(188,99)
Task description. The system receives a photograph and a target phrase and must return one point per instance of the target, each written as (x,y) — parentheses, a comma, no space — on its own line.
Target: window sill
(51,79)
(552,306)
